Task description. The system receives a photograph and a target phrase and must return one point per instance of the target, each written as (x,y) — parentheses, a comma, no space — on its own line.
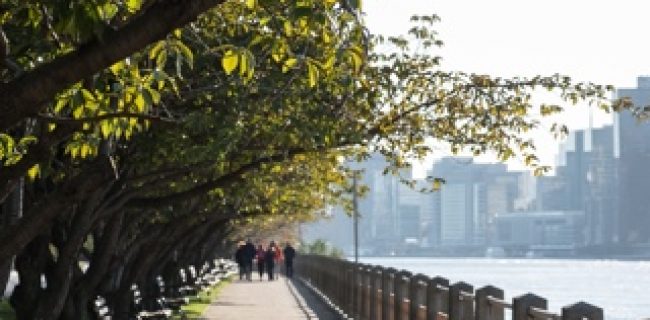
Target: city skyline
(580,38)
(595,203)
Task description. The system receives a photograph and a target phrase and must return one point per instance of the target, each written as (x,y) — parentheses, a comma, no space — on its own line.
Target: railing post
(521,305)
(484,309)
(581,310)
(365,291)
(350,289)
(417,294)
(376,274)
(460,306)
(400,288)
(358,302)
(387,291)
(437,298)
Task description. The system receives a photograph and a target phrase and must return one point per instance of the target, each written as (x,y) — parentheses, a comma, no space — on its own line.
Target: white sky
(601,41)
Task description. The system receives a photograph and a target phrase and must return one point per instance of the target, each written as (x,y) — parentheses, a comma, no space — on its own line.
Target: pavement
(268,300)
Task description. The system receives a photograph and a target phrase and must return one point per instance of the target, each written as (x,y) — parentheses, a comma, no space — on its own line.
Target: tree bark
(52,300)
(30,264)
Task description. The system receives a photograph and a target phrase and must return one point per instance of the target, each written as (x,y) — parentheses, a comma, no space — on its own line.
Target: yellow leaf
(139,103)
(34,172)
(288,28)
(85,150)
(117,67)
(251,4)
(105,127)
(243,64)
(51,127)
(229,61)
(288,64)
(313,75)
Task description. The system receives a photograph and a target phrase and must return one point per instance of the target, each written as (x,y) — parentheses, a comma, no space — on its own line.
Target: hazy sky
(601,41)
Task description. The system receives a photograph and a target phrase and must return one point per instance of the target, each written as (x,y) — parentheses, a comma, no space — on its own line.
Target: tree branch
(26,95)
(64,120)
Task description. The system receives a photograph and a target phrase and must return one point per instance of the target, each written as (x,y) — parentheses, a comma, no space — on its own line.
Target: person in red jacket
(279,257)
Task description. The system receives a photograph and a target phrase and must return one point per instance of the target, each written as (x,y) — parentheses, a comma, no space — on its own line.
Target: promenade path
(281,299)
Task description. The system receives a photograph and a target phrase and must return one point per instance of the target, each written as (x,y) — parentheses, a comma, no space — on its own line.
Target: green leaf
(229,61)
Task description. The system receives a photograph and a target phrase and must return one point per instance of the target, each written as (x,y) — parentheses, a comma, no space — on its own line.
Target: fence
(363,291)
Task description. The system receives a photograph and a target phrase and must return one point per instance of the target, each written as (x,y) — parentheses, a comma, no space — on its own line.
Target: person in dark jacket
(249,255)
(269,259)
(289,254)
(259,255)
(239,258)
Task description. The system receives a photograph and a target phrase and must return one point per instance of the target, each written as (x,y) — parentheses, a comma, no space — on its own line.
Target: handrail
(538,313)
(442,288)
(465,296)
(499,302)
(370,292)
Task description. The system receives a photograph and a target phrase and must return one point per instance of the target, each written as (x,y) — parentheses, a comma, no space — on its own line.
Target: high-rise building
(472,195)
(633,149)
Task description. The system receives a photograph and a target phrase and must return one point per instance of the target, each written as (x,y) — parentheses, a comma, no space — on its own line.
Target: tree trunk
(10,211)
(30,265)
(42,213)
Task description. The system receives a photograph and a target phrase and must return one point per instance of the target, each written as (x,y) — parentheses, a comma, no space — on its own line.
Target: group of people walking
(266,259)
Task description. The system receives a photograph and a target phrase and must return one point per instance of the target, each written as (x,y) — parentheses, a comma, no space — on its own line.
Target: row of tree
(136,136)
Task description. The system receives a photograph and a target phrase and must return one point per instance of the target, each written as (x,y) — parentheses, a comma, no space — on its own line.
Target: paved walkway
(267,300)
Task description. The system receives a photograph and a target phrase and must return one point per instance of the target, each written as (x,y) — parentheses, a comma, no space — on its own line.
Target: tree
(154,142)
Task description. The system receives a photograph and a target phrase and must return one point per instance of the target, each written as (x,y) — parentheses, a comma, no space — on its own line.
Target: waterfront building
(472,195)
(633,149)
(539,230)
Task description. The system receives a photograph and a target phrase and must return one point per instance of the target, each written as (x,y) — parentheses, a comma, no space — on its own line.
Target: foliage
(321,247)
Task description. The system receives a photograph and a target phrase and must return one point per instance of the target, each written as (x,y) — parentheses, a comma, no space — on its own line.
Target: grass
(197,305)
(6,312)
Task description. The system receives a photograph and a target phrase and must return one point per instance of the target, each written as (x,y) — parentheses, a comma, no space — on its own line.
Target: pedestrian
(260,260)
(278,258)
(289,254)
(239,258)
(249,255)
(269,260)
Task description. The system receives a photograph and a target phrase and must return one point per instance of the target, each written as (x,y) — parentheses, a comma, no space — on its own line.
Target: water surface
(621,288)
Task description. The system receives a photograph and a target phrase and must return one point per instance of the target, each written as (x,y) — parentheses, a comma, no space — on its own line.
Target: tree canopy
(155,129)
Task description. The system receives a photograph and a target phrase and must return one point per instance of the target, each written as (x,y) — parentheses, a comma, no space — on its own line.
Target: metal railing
(370,292)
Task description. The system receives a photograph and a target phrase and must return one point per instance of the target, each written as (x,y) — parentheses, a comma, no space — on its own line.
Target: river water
(621,288)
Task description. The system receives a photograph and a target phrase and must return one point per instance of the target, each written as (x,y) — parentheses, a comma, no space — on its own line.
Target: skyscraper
(634,156)
(472,195)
